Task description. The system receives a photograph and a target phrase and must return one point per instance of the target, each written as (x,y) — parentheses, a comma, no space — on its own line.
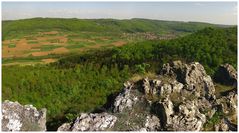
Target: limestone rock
(227,75)
(186,118)
(193,76)
(65,127)
(222,126)
(90,122)
(125,99)
(16,117)
(152,123)
(157,87)
(151,86)
(228,103)
(167,109)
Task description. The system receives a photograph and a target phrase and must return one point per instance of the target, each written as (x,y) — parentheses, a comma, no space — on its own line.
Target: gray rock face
(151,87)
(16,117)
(158,87)
(186,118)
(65,127)
(225,125)
(228,103)
(152,123)
(193,76)
(125,99)
(227,75)
(90,122)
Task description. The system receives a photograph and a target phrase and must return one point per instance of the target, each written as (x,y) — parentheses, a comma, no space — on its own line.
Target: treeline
(15,28)
(81,83)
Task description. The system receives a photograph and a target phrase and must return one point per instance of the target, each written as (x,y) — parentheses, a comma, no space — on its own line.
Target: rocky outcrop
(160,87)
(90,122)
(181,98)
(188,118)
(227,75)
(193,76)
(16,117)
(125,99)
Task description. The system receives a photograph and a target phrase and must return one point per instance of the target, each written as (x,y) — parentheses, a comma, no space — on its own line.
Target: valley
(51,62)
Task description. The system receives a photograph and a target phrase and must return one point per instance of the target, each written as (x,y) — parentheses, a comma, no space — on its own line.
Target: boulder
(90,122)
(16,117)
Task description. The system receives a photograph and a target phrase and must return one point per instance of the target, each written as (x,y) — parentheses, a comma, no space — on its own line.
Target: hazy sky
(212,12)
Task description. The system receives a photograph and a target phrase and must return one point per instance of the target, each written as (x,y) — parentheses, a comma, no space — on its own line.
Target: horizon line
(122,19)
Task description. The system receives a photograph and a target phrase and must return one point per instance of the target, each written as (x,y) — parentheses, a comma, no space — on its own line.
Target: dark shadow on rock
(108,106)
(53,124)
(225,93)
(158,110)
(232,127)
(139,85)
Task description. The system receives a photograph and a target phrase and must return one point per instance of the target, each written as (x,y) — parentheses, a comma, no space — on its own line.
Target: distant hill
(27,26)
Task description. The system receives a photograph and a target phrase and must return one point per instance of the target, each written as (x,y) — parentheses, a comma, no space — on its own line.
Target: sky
(212,12)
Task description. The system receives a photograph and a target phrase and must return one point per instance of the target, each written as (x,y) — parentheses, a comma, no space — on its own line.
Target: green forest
(82,82)
(19,28)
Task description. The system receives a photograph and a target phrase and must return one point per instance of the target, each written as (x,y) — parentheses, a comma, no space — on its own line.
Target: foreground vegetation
(82,83)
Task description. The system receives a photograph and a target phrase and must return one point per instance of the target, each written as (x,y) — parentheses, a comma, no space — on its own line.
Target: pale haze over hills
(211,12)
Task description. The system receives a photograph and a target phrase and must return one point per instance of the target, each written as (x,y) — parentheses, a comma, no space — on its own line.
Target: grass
(22,61)
(29,59)
(11,45)
(219,88)
(209,126)
(49,47)
(72,42)
(30,38)
(32,42)
(54,41)
(74,46)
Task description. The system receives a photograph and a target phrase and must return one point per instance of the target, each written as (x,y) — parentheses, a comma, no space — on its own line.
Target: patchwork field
(44,40)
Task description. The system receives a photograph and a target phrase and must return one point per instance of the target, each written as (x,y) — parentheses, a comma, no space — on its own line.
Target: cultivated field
(47,47)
